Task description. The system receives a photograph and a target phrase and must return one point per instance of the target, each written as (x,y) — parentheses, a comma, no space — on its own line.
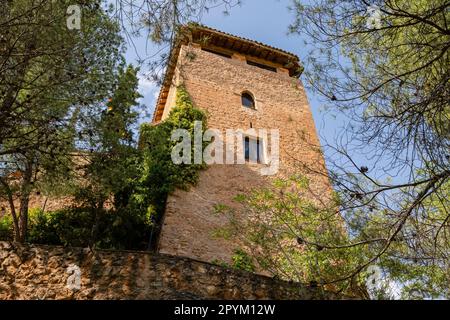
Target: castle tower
(241,84)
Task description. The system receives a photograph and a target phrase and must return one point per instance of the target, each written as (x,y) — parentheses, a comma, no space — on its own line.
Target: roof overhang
(207,37)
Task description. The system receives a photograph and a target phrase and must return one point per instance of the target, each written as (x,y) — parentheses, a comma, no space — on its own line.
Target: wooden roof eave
(198,33)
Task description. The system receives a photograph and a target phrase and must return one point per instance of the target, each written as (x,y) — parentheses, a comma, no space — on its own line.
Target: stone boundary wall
(48,272)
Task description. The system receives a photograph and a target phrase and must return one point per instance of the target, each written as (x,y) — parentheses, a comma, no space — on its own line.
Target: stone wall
(215,84)
(38,202)
(41,272)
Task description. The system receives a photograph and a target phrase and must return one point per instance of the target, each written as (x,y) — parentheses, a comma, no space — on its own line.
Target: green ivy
(139,201)
(159,176)
(242,261)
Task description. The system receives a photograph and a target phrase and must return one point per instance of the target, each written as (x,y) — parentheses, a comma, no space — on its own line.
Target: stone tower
(241,84)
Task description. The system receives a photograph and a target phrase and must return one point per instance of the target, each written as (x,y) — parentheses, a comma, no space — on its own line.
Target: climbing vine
(158,174)
(138,182)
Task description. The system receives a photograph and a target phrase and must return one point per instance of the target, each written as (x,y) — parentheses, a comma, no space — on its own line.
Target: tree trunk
(24,201)
(11,207)
(23,220)
(97,213)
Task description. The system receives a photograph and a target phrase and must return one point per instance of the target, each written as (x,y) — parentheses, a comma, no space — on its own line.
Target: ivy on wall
(159,176)
(139,203)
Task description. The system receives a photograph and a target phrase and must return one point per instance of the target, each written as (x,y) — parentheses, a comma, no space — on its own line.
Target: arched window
(248,100)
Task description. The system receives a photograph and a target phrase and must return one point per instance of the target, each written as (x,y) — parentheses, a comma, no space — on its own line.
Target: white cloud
(145,84)
(149,90)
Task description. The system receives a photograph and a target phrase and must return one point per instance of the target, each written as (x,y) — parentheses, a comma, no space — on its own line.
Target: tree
(110,158)
(49,75)
(388,74)
(294,237)
(160,21)
(52,76)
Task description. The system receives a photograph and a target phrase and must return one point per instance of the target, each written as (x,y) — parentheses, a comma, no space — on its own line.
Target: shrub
(120,229)
(138,181)
(125,229)
(69,227)
(242,261)
(159,176)
(6,228)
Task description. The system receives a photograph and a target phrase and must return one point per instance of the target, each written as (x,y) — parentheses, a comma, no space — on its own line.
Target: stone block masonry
(41,272)
(215,85)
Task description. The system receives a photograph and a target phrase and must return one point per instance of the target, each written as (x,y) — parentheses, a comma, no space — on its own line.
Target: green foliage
(220,208)
(239,198)
(283,230)
(416,263)
(295,238)
(137,180)
(222,233)
(6,228)
(104,175)
(242,261)
(158,174)
(421,265)
(55,77)
(391,79)
(113,162)
(72,227)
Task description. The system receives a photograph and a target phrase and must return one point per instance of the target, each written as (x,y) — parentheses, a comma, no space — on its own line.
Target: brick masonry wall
(41,272)
(215,84)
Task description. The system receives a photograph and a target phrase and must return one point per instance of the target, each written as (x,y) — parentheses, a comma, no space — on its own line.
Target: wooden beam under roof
(198,33)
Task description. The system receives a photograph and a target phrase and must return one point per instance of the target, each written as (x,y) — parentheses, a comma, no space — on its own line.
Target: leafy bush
(158,174)
(69,227)
(242,261)
(73,227)
(125,229)
(6,228)
(139,180)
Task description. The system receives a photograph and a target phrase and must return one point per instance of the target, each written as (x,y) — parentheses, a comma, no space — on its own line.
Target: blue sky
(265,21)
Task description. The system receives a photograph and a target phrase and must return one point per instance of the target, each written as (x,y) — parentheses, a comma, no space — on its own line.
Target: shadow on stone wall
(41,272)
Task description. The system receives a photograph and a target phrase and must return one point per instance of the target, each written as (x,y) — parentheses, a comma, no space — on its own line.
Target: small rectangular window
(262,66)
(253,150)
